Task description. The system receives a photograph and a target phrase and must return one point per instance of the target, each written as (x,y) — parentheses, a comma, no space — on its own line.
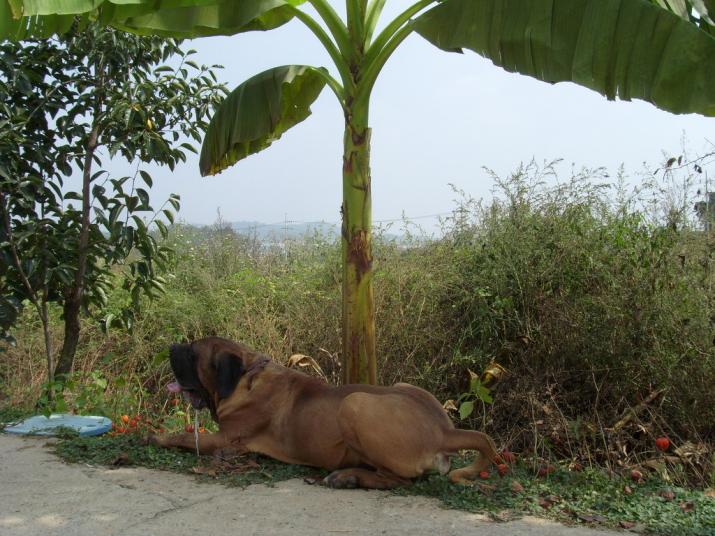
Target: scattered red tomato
(174,401)
(484,475)
(125,418)
(508,456)
(121,429)
(546,470)
(663,443)
(636,475)
(503,469)
(202,430)
(189,428)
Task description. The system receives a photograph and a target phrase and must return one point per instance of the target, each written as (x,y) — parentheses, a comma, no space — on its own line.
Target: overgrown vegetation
(596,299)
(67,104)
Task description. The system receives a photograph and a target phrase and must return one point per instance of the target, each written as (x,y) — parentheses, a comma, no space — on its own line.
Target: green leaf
(466,409)
(168,215)
(146,178)
(257,113)
(630,49)
(188,19)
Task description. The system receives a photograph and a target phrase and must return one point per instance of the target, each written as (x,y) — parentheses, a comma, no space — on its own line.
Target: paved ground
(42,496)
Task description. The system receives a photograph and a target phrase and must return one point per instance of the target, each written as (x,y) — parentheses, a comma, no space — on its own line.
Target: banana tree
(660,51)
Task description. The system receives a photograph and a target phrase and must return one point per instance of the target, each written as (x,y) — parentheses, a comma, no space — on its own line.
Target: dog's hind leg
(455,440)
(363,478)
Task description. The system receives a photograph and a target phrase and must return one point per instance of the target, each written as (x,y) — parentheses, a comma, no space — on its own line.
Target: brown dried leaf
(516,487)
(487,489)
(592,518)
(710,492)
(202,470)
(303,361)
(667,495)
(687,506)
(450,405)
(548,501)
(627,490)
(122,459)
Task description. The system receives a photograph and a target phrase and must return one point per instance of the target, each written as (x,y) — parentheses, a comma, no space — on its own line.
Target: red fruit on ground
(484,475)
(662,443)
(546,470)
(133,423)
(202,430)
(125,419)
(121,430)
(189,428)
(174,401)
(508,456)
(636,475)
(503,469)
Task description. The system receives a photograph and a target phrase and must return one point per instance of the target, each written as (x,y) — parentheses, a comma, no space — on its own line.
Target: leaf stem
(337,27)
(336,55)
(374,11)
(392,28)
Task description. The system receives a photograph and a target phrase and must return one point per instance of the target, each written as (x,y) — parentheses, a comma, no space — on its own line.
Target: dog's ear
(229,369)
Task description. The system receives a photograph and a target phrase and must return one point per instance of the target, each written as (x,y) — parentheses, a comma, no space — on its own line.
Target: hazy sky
(437,118)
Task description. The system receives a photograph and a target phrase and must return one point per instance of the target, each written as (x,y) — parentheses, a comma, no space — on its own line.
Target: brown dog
(370,437)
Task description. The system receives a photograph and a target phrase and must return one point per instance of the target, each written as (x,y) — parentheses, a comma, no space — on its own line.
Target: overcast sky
(437,118)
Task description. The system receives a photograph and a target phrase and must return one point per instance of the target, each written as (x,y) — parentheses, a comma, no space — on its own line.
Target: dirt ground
(41,496)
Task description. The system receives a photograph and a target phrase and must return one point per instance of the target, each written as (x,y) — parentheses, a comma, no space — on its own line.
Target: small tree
(70,102)
(661,51)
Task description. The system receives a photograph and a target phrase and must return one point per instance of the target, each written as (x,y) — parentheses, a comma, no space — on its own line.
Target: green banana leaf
(630,49)
(257,113)
(20,19)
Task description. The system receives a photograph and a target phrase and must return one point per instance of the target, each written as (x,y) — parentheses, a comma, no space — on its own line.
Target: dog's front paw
(341,480)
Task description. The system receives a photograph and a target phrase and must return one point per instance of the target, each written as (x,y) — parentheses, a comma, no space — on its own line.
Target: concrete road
(42,496)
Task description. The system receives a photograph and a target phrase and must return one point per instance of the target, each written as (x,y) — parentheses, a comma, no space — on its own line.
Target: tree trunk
(359,365)
(73,296)
(65,360)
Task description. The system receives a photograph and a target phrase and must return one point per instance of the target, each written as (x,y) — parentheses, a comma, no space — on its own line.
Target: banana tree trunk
(358,364)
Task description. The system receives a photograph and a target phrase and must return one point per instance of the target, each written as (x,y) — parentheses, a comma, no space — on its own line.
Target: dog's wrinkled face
(205,373)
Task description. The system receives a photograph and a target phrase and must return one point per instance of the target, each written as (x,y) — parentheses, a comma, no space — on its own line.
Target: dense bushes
(592,299)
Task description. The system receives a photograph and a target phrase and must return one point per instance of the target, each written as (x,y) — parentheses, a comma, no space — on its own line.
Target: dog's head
(208,370)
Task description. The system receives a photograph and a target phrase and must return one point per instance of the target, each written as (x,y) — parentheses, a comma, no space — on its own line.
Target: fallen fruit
(125,418)
(636,475)
(508,456)
(484,475)
(502,469)
(174,401)
(202,430)
(546,470)
(662,443)
(189,428)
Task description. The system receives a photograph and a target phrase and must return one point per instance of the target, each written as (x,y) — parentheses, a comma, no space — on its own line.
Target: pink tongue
(173,387)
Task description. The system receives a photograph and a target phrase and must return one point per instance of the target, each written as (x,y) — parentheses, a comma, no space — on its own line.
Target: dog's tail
(456,440)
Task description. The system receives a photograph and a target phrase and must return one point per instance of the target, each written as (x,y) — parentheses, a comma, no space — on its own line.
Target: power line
(286,222)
